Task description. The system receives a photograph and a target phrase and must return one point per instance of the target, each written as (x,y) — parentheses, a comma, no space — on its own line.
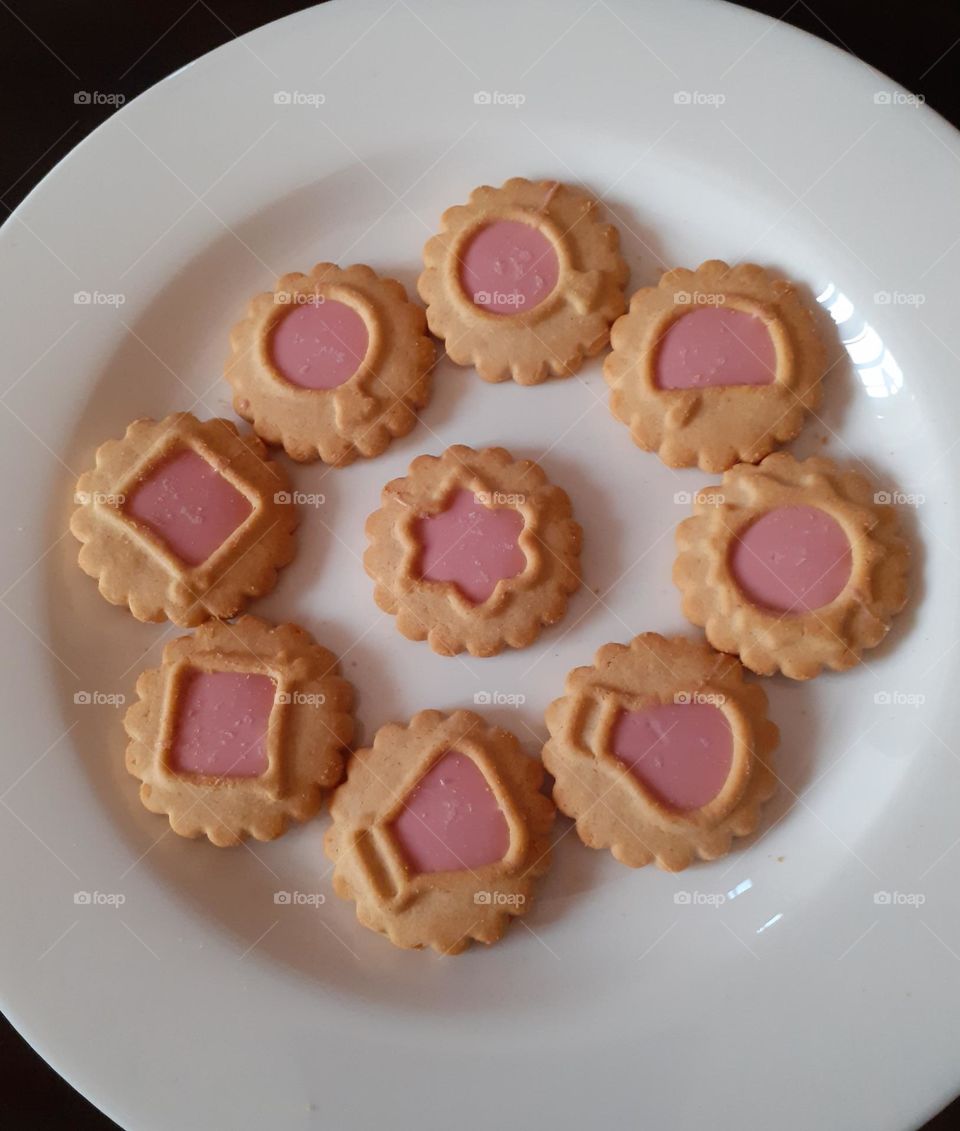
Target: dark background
(49,49)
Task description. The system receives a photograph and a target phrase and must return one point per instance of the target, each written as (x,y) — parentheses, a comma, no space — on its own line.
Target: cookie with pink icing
(332,365)
(184,519)
(523,281)
(715,366)
(661,751)
(240,730)
(473,550)
(794,565)
(440,831)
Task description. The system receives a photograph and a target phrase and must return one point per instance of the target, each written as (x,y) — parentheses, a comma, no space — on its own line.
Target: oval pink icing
(189,505)
(508,267)
(682,752)
(221,726)
(451,820)
(319,345)
(715,345)
(470,544)
(792,559)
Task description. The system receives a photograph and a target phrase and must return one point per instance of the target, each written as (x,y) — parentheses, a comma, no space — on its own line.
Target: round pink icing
(451,820)
(189,506)
(472,545)
(792,559)
(508,267)
(681,752)
(715,345)
(221,726)
(319,345)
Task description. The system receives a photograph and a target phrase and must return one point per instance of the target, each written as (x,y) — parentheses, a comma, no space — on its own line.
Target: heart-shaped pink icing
(189,506)
(682,752)
(319,345)
(715,345)
(792,559)
(508,267)
(221,724)
(451,820)
(472,545)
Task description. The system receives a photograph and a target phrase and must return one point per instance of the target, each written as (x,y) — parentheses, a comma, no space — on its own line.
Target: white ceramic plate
(809,980)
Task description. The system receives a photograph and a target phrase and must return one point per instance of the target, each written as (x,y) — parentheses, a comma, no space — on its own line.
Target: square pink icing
(451,820)
(221,725)
(189,505)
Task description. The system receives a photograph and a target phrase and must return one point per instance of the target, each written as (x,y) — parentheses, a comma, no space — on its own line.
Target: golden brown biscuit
(793,565)
(523,281)
(184,519)
(473,550)
(239,731)
(331,365)
(715,366)
(661,751)
(440,831)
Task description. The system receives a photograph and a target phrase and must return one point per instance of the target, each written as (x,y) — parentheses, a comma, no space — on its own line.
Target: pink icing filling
(319,345)
(792,559)
(508,267)
(715,345)
(681,752)
(189,505)
(452,820)
(222,723)
(472,545)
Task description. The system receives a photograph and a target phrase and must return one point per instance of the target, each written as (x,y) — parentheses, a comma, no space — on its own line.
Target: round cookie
(523,281)
(715,366)
(331,365)
(440,831)
(661,751)
(473,550)
(793,565)
(184,519)
(239,731)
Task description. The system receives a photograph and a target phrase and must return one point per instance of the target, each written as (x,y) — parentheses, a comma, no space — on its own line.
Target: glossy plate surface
(826,951)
